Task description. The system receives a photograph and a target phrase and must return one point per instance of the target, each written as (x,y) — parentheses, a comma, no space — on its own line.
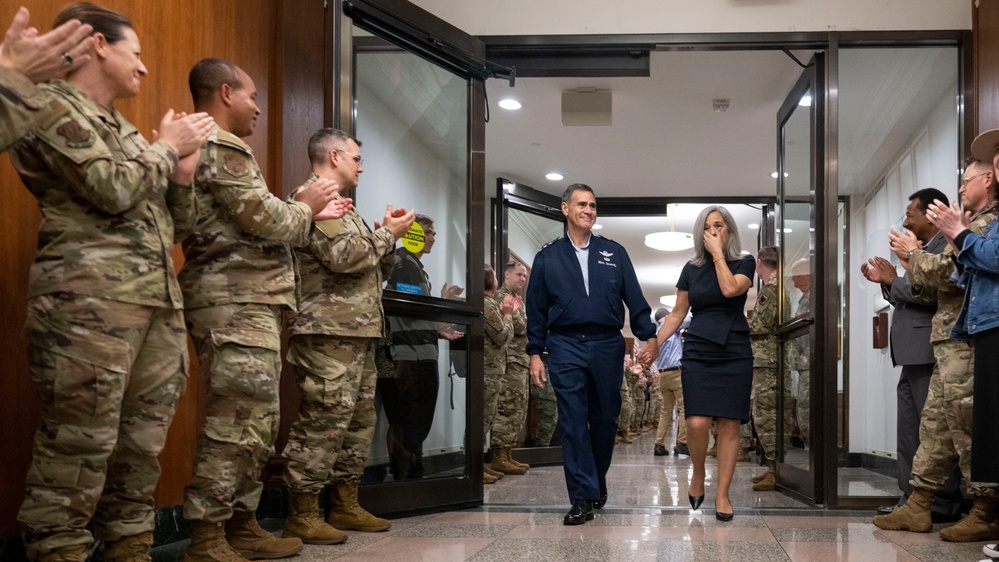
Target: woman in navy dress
(717,361)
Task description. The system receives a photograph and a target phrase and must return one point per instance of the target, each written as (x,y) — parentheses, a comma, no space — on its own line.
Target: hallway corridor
(646,518)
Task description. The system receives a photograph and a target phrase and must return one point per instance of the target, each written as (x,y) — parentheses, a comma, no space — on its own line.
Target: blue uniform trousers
(586,374)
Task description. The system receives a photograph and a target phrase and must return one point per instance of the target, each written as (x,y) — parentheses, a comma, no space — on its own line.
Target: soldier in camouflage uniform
(511,409)
(107,351)
(237,279)
(945,426)
(26,61)
(624,434)
(332,351)
(801,278)
(763,337)
(498,315)
(639,408)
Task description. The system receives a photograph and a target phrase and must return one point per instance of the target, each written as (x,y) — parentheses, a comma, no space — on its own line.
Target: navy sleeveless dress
(717,374)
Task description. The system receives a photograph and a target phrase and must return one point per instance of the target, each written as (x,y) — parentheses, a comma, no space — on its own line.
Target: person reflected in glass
(801,278)
(717,357)
(410,398)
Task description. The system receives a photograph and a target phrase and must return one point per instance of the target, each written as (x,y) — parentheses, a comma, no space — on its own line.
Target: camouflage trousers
(945,426)
(490,399)
(639,409)
(655,405)
(627,408)
(108,376)
(331,439)
(803,401)
(672,395)
(239,347)
(544,398)
(745,435)
(765,416)
(511,406)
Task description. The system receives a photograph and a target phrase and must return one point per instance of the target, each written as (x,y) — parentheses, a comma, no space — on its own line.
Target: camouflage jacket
(103,192)
(931,274)
(763,326)
(800,357)
(340,276)
(516,350)
(499,332)
(22,106)
(237,251)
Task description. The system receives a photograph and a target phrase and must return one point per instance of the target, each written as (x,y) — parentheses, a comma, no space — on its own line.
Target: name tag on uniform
(604,259)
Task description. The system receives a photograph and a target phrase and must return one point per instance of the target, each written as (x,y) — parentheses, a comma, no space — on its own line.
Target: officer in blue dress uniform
(575,308)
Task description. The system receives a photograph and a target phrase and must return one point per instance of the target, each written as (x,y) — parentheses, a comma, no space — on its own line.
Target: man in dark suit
(911,348)
(575,308)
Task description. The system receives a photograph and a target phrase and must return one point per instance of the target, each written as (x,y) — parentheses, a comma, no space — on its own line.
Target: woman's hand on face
(712,244)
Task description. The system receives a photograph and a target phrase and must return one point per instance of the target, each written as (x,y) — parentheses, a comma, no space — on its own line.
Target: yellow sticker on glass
(414,239)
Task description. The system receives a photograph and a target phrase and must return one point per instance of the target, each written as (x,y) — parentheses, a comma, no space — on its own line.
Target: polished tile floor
(647,517)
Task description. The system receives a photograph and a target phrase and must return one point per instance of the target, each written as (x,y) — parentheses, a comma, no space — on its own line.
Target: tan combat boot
(345,513)
(978,525)
(72,553)
(305,523)
(515,462)
(129,549)
(743,456)
(501,462)
(914,515)
(489,470)
(761,476)
(208,544)
(247,538)
(488,478)
(767,482)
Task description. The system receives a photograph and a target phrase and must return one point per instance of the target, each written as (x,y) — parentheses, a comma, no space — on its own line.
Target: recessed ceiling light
(510,103)
(597,226)
(554,176)
(668,300)
(753,226)
(745,252)
(806,100)
(788,231)
(508,186)
(774,175)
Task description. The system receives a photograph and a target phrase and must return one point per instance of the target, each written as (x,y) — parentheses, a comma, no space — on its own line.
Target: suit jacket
(912,322)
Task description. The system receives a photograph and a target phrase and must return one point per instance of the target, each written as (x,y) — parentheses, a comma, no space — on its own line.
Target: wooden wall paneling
(174,35)
(985,28)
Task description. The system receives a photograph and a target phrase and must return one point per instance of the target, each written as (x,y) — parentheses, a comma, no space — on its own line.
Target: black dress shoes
(724,516)
(695,501)
(599,504)
(660,450)
(581,512)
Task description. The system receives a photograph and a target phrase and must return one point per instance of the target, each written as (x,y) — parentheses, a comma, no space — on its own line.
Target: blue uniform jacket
(556,299)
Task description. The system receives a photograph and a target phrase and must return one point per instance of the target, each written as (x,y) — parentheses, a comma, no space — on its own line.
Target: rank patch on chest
(76,136)
(235,165)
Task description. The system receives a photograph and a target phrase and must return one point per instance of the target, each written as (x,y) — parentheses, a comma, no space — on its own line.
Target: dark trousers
(417,383)
(913,387)
(985,426)
(586,374)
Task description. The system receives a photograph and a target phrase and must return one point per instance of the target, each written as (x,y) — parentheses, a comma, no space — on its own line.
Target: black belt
(669,369)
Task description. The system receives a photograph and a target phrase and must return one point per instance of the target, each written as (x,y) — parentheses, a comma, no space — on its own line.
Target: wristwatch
(908,256)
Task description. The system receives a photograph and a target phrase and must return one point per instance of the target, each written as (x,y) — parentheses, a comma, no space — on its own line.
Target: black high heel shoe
(695,501)
(726,517)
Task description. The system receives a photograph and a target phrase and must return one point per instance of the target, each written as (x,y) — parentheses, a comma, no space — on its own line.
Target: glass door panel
(799,169)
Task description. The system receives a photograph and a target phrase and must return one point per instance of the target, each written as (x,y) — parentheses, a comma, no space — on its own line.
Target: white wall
(929,160)
(536,17)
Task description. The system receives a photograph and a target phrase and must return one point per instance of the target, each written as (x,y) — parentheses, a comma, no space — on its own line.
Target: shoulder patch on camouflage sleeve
(234,164)
(76,135)
(331,227)
(55,111)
